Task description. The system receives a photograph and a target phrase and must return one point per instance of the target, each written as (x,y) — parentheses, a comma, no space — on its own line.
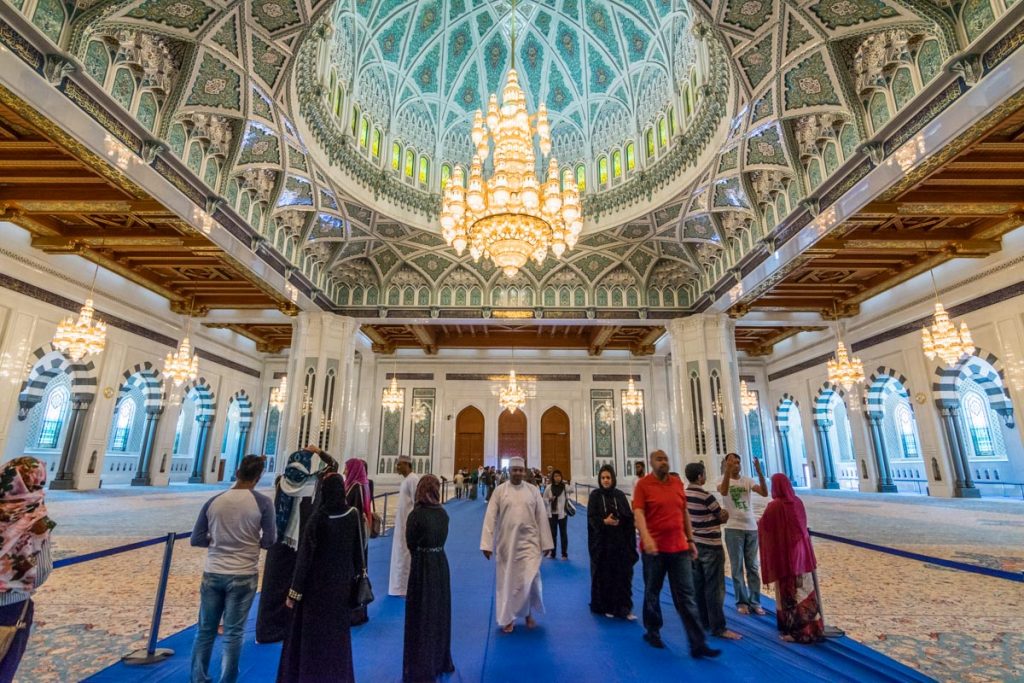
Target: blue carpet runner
(570,644)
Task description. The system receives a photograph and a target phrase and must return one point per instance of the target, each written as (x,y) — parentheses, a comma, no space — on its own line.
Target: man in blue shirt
(233,526)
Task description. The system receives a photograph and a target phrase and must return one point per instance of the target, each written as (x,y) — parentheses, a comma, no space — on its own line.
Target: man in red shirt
(659,502)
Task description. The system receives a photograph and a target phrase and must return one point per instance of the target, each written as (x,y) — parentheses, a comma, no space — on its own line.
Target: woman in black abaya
(294,496)
(612,542)
(428,603)
(318,647)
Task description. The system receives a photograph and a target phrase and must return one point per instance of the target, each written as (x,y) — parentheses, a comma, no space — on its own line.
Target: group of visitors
(315,585)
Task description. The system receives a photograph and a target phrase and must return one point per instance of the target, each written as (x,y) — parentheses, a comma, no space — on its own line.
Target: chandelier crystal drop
(843,370)
(510,216)
(182,365)
(512,396)
(79,338)
(748,399)
(944,340)
(632,399)
(394,399)
(279,394)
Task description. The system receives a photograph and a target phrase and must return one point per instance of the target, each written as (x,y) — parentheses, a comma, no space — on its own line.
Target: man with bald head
(666,538)
(517,533)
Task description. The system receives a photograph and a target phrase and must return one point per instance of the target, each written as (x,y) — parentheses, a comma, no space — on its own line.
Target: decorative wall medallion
(108,392)
(920,397)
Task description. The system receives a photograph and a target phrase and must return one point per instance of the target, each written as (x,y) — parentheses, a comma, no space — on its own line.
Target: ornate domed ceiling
(604,68)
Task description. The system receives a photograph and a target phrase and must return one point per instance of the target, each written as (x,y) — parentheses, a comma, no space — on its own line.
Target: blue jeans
(228,596)
(742,546)
(679,569)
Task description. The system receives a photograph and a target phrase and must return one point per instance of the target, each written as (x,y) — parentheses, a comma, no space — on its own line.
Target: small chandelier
(182,365)
(394,399)
(748,399)
(79,338)
(944,340)
(606,412)
(420,412)
(632,398)
(512,397)
(843,370)
(510,217)
(279,394)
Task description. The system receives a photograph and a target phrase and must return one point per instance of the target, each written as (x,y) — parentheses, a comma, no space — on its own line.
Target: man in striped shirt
(707,518)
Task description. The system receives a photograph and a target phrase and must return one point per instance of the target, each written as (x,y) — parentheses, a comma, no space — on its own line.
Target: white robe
(401,560)
(516,529)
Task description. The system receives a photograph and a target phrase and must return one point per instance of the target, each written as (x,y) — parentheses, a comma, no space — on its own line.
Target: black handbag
(570,509)
(362,591)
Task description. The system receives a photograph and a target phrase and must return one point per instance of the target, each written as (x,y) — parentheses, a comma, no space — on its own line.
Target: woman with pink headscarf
(357,494)
(787,560)
(25,561)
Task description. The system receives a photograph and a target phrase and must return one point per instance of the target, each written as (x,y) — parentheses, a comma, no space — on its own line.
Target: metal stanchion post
(152,654)
(384,523)
(830,631)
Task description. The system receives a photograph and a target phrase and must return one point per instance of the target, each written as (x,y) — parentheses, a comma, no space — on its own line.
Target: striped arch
(782,412)
(983,368)
(877,382)
(206,404)
(824,398)
(147,379)
(49,362)
(244,407)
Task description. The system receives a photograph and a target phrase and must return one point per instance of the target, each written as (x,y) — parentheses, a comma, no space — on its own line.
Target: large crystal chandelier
(632,398)
(78,338)
(843,370)
(279,394)
(394,399)
(512,397)
(509,217)
(182,365)
(944,340)
(748,399)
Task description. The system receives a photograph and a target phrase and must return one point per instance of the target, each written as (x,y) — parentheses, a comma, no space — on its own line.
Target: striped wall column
(964,486)
(142,475)
(243,439)
(885,483)
(202,446)
(787,462)
(65,478)
(821,428)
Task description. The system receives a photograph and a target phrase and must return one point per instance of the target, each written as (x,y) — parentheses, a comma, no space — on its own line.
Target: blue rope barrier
(117,550)
(938,561)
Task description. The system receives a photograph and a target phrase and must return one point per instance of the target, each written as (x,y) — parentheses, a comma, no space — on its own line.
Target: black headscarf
(332,494)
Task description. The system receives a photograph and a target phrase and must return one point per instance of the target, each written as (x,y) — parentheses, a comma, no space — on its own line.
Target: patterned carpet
(951,625)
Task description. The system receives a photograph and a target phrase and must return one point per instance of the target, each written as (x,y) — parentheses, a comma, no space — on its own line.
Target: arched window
(649,142)
(904,419)
(410,160)
(355,119)
(602,171)
(57,404)
(396,156)
(662,133)
(424,169)
(976,415)
(364,132)
(567,178)
(672,121)
(375,144)
(123,418)
(617,164)
(581,178)
(630,156)
(446,173)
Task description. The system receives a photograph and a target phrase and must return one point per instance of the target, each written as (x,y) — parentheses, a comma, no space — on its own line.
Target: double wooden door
(469,439)
(554,442)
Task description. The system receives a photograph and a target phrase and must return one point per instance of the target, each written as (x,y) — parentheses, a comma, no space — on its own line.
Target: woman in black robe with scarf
(318,647)
(428,602)
(294,493)
(612,543)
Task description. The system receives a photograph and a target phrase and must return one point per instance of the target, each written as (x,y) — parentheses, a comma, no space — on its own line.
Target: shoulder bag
(570,509)
(362,591)
(8,633)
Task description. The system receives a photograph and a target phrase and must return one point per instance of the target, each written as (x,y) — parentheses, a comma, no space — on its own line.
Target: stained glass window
(905,428)
(122,425)
(617,163)
(602,170)
(581,178)
(396,156)
(662,132)
(375,146)
(410,159)
(446,173)
(364,132)
(424,169)
(630,156)
(53,418)
(976,414)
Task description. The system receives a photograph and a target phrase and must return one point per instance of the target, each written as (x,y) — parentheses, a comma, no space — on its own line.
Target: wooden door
(511,436)
(469,439)
(554,442)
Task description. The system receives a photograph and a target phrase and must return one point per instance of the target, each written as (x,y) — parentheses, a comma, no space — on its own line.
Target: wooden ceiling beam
(380,343)
(425,337)
(599,338)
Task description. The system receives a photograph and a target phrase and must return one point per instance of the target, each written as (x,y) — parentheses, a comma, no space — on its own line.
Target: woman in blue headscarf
(296,489)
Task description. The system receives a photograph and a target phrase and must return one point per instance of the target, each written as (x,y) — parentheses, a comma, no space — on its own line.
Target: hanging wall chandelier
(78,338)
(512,396)
(279,394)
(632,398)
(944,340)
(393,400)
(843,370)
(748,399)
(510,217)
(182,365)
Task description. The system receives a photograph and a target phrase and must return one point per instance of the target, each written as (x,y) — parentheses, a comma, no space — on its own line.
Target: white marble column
(704,344)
